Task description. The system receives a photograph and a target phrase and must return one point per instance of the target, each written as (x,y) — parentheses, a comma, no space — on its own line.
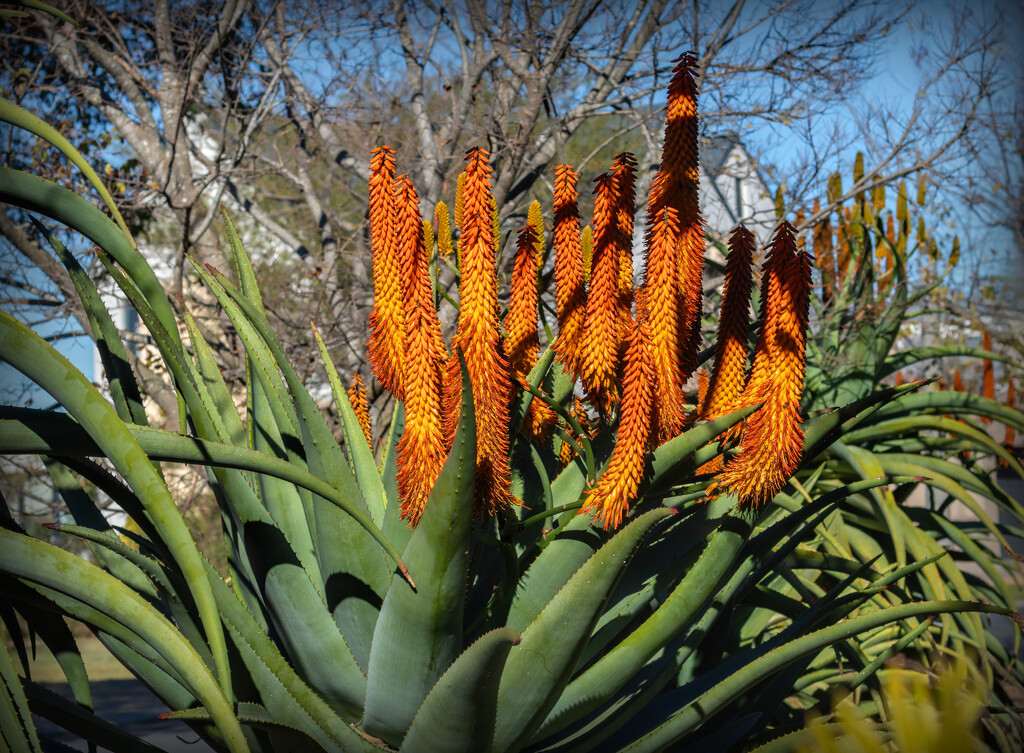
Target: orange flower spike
(459,186)
(702,390)
(535,219)
(679,188)
(988,376)
(602,326)
(610,497)
(521,340)
(1010,400)
(478,337)
(418,288)
(958,382)
(570,294)
(624,169)
(357,398)
(729,372)
(421,450)
(824,253)
(385,347)
(587,240)
(772,439)
(443,229)
(657,299)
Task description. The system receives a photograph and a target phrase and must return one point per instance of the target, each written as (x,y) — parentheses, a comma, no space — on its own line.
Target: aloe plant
(517,570)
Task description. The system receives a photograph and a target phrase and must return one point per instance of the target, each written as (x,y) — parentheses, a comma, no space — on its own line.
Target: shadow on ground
(129,705)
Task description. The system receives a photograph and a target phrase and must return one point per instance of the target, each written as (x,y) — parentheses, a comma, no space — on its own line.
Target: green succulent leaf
(458,713)
(540,666)
(419,632)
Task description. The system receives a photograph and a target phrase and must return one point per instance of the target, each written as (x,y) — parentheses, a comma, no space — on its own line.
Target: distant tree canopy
(270,109)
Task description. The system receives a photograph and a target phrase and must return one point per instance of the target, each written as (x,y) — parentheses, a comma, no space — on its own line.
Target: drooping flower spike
(772,440)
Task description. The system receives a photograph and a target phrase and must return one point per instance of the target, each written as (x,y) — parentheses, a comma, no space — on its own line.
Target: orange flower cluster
(772,439)
(633,361)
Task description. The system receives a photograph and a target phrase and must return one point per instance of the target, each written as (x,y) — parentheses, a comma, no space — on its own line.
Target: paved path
(129,705)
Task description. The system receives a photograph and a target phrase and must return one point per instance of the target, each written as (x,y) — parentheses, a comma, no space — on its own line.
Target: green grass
(99,663)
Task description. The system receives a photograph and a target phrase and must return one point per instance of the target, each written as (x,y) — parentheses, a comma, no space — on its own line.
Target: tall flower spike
(387,319)
(478,338)
(521,340)
(602,331)
(624,169)
(1010,400)
(729,372)
(443,229)
(702,390)
(357,397)
(674,226)
(658,304)
(421,450)
(535,219)
(988,378)
(570,294)
(610,497)
(587,240)
(824,253)
(417,286)
(459,187)
(772,439)
(680,164)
